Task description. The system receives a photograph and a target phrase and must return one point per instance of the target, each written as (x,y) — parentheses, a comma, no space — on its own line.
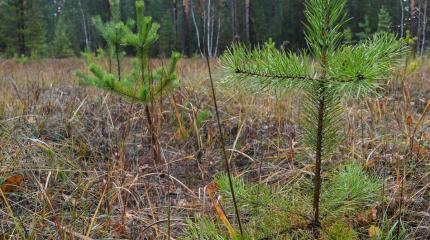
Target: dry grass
(87,166)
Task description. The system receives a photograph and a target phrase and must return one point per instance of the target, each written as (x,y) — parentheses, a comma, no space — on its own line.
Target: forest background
(65,28)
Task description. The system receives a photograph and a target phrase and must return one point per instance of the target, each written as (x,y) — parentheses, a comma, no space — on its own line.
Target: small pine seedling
(142,84)
(335,72)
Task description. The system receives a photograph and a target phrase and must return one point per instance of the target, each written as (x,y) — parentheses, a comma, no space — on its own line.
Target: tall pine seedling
(142,84)
(332,73)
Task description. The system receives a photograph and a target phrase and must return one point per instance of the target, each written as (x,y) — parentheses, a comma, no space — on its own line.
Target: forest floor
(82,158)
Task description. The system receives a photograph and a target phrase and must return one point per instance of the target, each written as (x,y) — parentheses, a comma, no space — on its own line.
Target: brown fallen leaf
(211,191)
(367,217)
(409,120)
(119,230)
(420,151)
(373,214)
(12,183)
(298,222)
(361,219)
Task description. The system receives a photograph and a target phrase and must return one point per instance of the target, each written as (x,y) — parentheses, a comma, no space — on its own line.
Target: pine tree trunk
(21,37)
(424,28)
(413,15)
(318,155)
(109,9)
(236,36)
(84,26)
(419,25)
(175,18)
(186,28)
(155,145)
(402,19)
(320,131)
(198,37)
(58,5)
(247,21)
(118,62)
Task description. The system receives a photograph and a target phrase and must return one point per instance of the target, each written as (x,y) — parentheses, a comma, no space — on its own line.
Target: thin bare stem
(221,136)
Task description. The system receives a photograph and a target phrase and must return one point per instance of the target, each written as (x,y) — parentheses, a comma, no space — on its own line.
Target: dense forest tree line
(62,28)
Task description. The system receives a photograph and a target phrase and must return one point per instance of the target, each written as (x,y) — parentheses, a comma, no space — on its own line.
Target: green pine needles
(141,84)
(282,212)
(331,73)
(113,32)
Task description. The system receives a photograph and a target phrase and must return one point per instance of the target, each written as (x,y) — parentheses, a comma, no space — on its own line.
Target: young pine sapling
(333,72)
(142,84)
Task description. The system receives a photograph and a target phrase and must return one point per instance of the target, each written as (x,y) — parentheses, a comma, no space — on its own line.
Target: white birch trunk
(85,27)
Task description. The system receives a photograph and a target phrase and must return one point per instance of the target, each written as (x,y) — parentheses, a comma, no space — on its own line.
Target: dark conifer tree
(61,44)
(22,28)
(186,48)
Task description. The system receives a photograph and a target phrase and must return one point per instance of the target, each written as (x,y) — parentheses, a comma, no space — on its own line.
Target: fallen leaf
(373,214)
(211,190)
(11,184)
(31,120)
(298,222)
(409,120)
(420,151)
(119,229)
(367,217)
(361,219)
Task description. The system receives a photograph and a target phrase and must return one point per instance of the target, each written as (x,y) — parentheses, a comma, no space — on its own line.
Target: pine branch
(353,69)
(267,63)
(370,59)
(271,76)
(339,81)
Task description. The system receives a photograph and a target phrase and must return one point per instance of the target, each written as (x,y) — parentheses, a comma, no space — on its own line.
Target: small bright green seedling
(142,84)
